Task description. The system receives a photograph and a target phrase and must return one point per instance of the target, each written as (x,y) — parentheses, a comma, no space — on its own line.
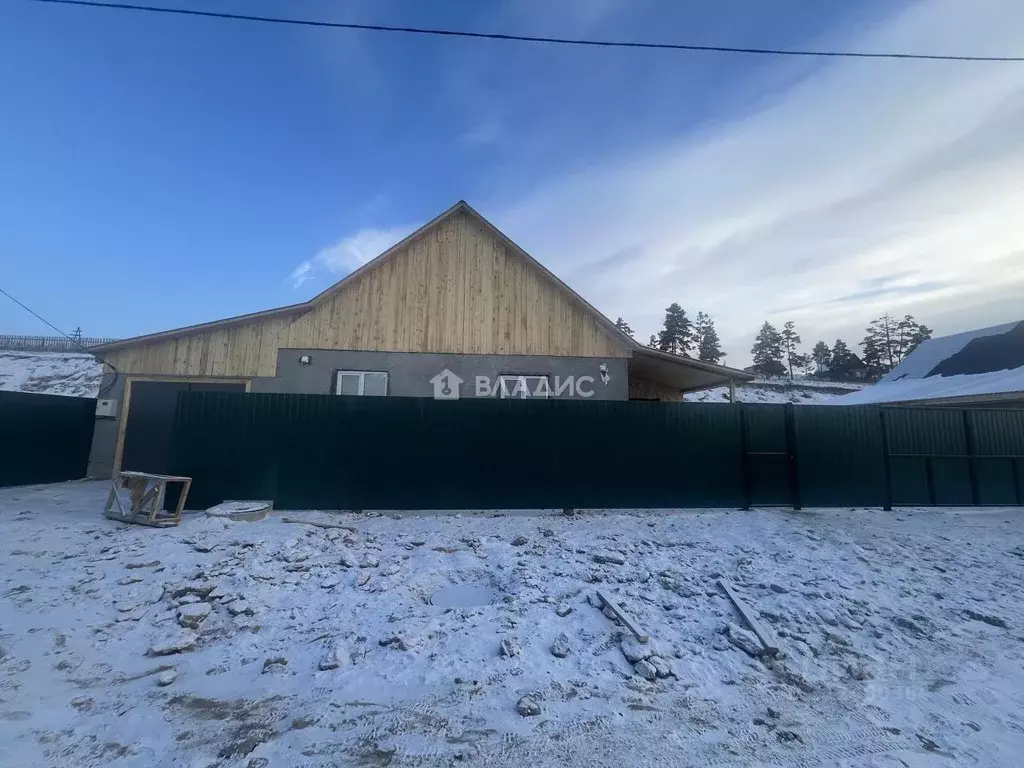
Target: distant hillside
(799,391)
(51,373)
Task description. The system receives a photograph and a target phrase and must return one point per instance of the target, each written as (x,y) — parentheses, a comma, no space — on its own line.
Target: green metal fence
(44,438)
(329,452)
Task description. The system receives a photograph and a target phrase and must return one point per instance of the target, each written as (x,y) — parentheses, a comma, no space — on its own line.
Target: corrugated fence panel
(768,461)
(324,451)
(330,452)
(44,438)
(1000,436)
(925,444)
(840,456)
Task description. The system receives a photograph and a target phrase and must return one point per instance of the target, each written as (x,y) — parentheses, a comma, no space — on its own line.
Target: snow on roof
(987,361)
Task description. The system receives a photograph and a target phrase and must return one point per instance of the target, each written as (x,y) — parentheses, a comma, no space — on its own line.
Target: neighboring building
(976,368)
(453,304)
(852,370)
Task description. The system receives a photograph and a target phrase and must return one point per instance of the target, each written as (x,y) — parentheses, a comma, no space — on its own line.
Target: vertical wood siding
(457,288)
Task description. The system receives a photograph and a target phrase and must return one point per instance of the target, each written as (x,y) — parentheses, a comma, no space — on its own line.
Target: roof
(462,206)
(976,364)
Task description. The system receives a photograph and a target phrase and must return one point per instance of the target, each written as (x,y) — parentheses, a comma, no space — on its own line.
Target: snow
(910,380)
(53,373)
(938,387)
(902,633)
(922,360)
(800,391)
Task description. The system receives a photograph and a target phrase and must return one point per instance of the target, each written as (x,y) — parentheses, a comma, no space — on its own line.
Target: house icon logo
(446,385)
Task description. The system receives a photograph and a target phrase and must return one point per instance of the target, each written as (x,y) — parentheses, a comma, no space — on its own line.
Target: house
(977,368)
(852,369)
(455,309)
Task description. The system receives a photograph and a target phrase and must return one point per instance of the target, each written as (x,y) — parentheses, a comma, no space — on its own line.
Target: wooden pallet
(138,497)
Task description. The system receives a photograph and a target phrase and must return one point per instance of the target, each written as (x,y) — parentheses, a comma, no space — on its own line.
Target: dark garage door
(147,436)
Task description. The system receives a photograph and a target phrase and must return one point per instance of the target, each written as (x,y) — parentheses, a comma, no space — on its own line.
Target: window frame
(504,394)
(362,382)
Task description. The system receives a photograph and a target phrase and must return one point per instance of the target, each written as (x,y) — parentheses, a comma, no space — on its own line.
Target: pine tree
(768,351)
(790,340)
(872,359)
(709,348)
(842,359)
(889,341)
(822,357)
(921,334)
(623,326)
(677,335)
(881,345)
(653,343)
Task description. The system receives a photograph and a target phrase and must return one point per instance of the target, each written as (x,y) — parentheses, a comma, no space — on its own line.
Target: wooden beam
(625,618)
(766,636)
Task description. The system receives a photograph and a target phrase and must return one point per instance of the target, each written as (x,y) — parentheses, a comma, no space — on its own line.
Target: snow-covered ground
(800,391)
(901,633)
(52,373)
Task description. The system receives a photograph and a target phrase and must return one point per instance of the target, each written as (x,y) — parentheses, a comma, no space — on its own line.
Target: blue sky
(160,171)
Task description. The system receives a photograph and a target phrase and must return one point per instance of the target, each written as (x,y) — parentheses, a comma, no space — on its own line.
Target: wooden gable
(455,286)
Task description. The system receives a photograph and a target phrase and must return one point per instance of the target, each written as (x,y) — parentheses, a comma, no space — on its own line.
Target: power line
(525,38)
(72,339)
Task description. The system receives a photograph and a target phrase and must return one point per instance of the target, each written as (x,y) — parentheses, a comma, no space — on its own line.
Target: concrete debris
(347,560)
(239,607)
(193,615)
(200,588)
(335,656)
(661,666)
(609,558)
(646,670)
(510,647)
(394,642)
(560,648)
(520,541)
(274,664)
(634,650)
(167,677)
(176,643)
(993,621)
(563,610)
(745,641)
(527,707)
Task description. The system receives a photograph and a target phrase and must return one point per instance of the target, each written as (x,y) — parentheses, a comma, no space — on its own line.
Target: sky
(158,171)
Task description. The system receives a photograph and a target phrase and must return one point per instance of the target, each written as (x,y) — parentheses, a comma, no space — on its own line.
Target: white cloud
(348,254)
(871,185)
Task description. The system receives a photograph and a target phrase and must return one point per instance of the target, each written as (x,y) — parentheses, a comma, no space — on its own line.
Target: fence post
(744,455)
(791,456)
(972,468)
(886,460)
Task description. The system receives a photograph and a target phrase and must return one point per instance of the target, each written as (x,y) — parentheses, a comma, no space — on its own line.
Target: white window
(513,385)
(361,383)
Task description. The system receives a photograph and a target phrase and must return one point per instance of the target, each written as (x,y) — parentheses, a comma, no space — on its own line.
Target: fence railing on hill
(331,452)
(16,343)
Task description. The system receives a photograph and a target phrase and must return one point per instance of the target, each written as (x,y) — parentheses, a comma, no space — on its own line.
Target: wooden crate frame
(147,501)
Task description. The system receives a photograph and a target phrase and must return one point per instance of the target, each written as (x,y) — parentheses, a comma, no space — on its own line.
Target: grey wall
(104,436)
(409,373)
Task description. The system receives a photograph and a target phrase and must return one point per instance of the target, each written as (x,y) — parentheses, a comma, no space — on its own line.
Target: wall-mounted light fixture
(305,359)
